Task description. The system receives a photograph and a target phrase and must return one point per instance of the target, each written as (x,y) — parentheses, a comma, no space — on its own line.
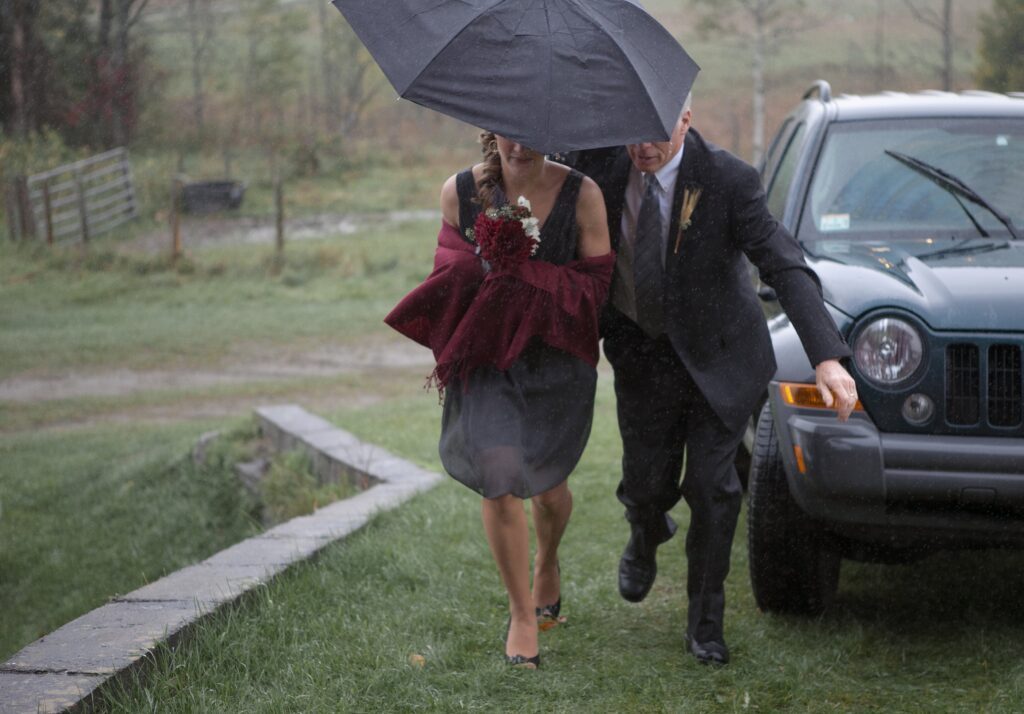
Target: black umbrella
(554,75)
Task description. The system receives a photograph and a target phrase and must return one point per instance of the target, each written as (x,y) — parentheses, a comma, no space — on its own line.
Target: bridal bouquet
(506,236)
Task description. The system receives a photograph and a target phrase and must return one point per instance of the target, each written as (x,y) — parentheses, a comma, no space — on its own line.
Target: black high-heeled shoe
(523,662)
(518,660)
(548,616)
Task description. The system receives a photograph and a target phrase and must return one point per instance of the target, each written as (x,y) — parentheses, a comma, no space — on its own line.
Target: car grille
(1002,383)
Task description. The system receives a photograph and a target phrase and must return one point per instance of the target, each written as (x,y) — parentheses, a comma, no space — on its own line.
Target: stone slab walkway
(61,671)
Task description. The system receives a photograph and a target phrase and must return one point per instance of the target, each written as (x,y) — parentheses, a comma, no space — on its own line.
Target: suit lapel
(622,292)
(616,192)
(689,172)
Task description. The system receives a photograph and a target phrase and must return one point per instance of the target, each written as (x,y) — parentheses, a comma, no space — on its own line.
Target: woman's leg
(508,535)
(551,511)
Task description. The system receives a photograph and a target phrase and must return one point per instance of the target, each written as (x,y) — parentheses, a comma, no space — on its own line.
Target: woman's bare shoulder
(558,171)
(450,201)
(450,196)
(590,193)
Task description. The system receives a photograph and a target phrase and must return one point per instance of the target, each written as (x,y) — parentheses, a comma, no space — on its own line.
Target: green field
(81,311)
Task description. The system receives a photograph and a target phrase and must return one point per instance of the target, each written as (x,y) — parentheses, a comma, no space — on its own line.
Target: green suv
(910,208)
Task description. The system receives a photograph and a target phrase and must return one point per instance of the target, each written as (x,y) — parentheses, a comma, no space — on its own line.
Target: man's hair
(686,104)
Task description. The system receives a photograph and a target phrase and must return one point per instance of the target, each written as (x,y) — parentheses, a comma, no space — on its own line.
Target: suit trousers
(665,420)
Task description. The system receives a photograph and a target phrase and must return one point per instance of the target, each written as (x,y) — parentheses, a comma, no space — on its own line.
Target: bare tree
(117,20)
(881,59)
(759,27)
(328,70)
(941,22)
(15,22)
(349,84)
(273,68)
(23,67)
(200,36)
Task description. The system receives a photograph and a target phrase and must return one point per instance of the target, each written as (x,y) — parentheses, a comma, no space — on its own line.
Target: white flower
(531,226)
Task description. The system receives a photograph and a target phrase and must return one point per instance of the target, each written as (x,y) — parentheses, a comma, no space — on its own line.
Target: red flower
(503,242)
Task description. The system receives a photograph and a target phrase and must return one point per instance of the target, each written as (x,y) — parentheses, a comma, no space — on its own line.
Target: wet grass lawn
(337,635)
(88,512)
(68,310)
(99,512)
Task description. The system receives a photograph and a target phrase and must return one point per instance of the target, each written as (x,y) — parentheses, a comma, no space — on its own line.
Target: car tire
(791,568)
(742,460)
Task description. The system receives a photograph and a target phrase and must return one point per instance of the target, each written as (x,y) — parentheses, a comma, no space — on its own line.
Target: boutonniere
(690,197)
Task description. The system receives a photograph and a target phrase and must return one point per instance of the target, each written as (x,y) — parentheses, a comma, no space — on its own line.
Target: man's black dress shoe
(638,567)
(708,652)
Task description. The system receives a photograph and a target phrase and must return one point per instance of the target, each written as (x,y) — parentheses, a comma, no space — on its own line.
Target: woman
(517,351)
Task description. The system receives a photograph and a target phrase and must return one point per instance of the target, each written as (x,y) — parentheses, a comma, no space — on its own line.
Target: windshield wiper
(956,187)
(963,249)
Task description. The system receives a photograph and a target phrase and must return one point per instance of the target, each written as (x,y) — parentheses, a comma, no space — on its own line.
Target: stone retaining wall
(61,671)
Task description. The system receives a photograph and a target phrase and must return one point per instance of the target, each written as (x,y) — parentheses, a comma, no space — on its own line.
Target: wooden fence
(76,201)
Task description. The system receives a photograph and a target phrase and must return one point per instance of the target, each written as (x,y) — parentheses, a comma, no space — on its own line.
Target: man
(690,349)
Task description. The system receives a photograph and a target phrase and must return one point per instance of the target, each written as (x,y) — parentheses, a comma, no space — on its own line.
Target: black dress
(523,430)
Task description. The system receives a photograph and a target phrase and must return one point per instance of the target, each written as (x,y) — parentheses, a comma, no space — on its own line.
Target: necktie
(647,270)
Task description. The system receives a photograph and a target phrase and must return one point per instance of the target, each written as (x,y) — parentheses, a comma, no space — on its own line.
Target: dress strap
(572,187)
(559,234)
(469,209)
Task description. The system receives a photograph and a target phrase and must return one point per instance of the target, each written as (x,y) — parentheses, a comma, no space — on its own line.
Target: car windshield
(860,192)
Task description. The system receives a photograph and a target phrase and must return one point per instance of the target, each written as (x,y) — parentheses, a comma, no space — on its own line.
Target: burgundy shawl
(470,318)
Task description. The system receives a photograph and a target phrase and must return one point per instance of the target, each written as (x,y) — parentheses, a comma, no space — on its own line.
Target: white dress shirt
(666,185)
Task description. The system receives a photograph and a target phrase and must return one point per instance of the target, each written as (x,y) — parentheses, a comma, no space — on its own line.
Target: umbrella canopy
(554,75)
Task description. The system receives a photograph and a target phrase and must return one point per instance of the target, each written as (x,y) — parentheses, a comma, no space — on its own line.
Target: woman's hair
(491,176)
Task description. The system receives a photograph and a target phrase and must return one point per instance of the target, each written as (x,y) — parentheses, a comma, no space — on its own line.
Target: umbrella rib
(447,44)
(515,30)
(547,119)
(582,11)
(640,49)
(655,68)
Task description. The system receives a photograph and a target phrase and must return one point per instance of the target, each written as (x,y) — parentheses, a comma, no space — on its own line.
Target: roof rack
(981,93)
(820,87)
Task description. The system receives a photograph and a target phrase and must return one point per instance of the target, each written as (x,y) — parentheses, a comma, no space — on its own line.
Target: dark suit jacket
(712,313)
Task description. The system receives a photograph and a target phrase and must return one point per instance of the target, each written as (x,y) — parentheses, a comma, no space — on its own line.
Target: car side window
(779,187)
(771,157)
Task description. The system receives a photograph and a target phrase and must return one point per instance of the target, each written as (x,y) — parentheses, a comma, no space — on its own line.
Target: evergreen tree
(1001,55)
(759,27)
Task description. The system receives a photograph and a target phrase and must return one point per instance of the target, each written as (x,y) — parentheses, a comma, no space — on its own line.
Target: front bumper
(859,480)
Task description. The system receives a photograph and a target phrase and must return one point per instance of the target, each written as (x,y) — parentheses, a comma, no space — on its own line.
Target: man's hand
(837,387)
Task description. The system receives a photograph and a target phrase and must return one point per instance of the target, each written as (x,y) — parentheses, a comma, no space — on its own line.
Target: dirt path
(198,232)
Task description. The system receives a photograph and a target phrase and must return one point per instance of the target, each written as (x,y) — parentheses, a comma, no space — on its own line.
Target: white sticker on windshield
(835,222)
(1001,140)
(835,246)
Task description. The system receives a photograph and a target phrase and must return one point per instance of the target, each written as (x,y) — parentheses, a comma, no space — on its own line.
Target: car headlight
(888,351)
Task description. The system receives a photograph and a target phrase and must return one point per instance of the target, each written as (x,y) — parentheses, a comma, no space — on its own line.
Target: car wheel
(746,447)
(791,569)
